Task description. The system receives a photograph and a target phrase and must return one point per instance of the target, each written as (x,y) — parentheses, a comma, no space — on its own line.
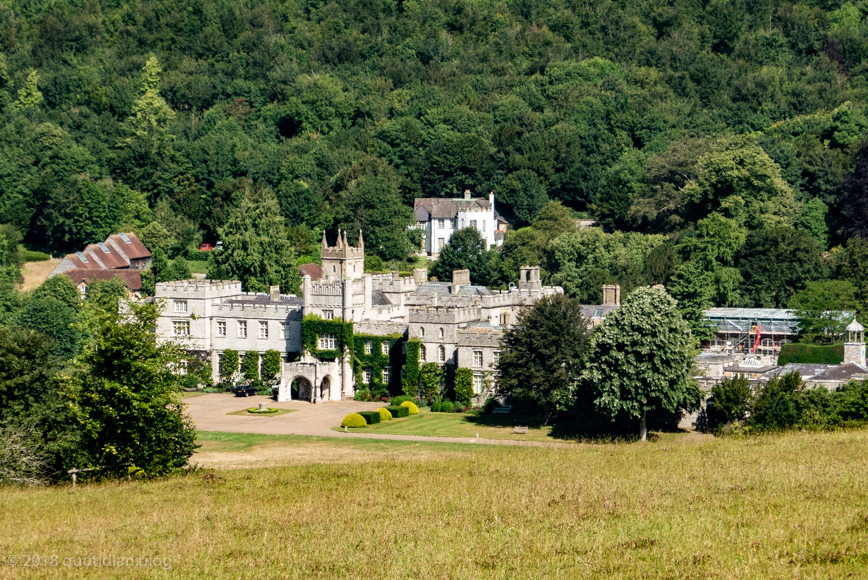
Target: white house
(438,218)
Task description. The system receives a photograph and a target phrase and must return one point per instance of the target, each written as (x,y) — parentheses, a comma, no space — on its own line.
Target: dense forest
(718,144)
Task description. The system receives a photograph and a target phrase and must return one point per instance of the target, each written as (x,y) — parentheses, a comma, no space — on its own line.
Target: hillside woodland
(719,145)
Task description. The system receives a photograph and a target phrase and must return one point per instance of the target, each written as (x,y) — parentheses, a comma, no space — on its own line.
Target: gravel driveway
(209,412)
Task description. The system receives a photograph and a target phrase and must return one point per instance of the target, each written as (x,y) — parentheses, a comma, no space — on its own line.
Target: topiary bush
(414,410)
(371,417)
(398,411)
(385,415)
(354,420)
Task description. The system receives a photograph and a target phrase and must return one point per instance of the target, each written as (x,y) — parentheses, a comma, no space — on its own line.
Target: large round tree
(541,354)
(639,358)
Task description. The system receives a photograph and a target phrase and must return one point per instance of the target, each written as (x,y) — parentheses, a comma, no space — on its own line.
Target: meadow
(774,506)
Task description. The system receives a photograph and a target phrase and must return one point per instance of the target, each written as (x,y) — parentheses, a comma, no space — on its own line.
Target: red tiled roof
(135,250)
(132,278)
(110,260)
(312,270)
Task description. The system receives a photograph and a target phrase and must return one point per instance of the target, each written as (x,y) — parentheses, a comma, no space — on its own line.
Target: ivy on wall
(312,327)
(377,361)
(411,368)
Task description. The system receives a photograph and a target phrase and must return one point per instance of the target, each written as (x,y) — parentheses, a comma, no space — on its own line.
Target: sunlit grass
(779,506)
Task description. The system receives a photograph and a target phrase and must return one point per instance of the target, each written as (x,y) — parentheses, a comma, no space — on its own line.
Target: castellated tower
(343,261)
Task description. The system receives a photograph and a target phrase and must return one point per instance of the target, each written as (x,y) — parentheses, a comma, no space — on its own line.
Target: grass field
(198,266)
(791,506)
(466,425)
(35,273)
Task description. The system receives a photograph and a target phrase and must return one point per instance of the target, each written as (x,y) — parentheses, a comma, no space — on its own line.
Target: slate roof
(445,289)
(438,208)
(379,298)
(132,278)
(597,310)
(841,372)
(805,369)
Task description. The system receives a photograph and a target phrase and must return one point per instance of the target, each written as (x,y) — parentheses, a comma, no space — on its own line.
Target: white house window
(369,347)
(441,224)
(422,353)
(455,223)
(221,328)
(367,375)
(263,329)
(441,354)
(477,358)
(220,364)
(328,314)
(180,306)
(440,243)
(440,334)
(242,329)
(283,330)
(386,375)
(327,342)
(181,327)
(478,383)
(384,348)
(472,223)
(496,357)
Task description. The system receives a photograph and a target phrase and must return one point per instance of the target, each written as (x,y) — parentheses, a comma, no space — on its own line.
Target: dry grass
(35,273)
(793,506)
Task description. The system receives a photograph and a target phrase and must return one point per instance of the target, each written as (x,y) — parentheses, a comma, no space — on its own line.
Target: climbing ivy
(377,361)
(411,368)
(312,327)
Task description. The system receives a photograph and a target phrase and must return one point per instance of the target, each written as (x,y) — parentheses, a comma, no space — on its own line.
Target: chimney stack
(274,292)
(460,278)
(612,295)
(420,275)
(466,194)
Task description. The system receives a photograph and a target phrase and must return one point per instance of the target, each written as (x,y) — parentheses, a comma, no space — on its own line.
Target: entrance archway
(302,390)
(325,388)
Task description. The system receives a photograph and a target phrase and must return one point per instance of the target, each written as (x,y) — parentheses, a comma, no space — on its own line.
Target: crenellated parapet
(198,289)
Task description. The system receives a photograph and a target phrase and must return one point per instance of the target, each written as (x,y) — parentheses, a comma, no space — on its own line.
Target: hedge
(31,256)
(385,415)
(354,420)
(371,417)
(413,409)
(794,352)
(398,411)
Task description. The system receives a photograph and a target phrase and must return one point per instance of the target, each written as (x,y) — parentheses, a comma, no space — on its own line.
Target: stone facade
(457,323)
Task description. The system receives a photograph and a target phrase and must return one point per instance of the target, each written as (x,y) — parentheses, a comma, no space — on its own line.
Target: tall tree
(125,397)
(465,250)
(255,248)
(639,359)
(541,355)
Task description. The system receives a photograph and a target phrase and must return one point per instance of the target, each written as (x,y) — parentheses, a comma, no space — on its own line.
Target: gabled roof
(132,278)
(842,372)
(106,255)
(130,245)
(312,270)
(447,208)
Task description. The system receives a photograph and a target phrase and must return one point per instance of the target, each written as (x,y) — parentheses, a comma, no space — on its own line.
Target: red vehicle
(206,248)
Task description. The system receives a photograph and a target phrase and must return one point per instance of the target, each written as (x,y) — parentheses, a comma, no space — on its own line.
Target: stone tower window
(440,334)
(422,332)
(422,353)
(441,354)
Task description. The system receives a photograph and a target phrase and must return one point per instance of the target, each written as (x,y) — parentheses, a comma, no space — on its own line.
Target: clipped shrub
(32,256)
(371,417)
(446,406)
(795,352)
(435,406)
(362,395)
(398,411)
(385,415)
(354,420)
(414,410)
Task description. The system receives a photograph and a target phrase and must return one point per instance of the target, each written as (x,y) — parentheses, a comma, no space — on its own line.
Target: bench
(519,431)
(506,410)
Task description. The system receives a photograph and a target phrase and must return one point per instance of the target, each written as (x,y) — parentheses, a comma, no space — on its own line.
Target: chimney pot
(466,194)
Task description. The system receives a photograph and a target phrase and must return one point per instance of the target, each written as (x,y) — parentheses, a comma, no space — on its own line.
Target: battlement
(393,283)
(202,289)
(342,250)
(382,328)
(443,314)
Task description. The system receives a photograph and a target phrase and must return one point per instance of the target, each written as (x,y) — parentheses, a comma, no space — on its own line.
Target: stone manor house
(350,330)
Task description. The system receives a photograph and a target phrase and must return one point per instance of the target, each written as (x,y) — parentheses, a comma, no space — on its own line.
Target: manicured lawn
(777,506)
(466,425)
